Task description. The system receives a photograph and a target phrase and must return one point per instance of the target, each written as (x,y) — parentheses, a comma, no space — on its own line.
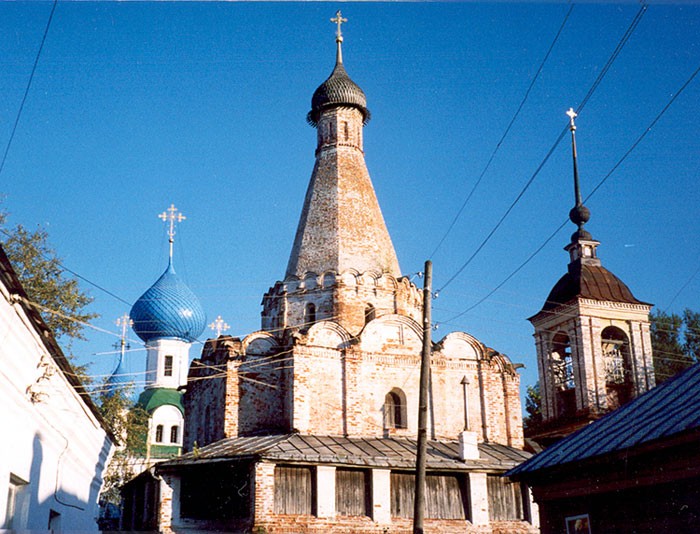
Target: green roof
(153,398)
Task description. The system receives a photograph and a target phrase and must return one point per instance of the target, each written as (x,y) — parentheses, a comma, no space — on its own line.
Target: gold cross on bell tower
(338,19)
(171,216)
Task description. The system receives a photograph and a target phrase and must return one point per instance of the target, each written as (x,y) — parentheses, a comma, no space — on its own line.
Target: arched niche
(391,330)
(461,346)
(328,334)
(260,344)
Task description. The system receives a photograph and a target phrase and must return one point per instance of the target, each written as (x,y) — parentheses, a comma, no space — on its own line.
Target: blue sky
(135,106)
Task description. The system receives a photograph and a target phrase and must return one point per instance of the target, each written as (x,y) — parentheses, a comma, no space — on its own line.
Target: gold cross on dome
(219,326)
(338,19)
(171,216)
(124,322)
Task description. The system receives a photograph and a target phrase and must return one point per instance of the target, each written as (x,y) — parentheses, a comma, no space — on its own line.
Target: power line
(500,142)
(616,52)
(595,189)
(29,84)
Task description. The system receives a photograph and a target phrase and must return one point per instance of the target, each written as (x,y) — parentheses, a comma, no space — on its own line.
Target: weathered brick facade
(328,382)
(339,356)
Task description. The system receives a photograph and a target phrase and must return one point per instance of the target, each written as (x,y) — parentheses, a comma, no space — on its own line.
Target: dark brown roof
(396,453)
(588,281)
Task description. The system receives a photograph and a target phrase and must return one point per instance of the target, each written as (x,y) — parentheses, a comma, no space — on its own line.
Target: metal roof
(394,453)
(587,281)
(665,411)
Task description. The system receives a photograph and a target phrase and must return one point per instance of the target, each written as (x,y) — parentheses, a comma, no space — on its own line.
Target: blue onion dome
(168,309)
(338,90)
(117,381)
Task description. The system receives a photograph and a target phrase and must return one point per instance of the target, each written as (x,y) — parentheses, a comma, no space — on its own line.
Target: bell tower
(592,335)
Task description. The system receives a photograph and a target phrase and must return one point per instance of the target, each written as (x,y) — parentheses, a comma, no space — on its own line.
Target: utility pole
(419,502)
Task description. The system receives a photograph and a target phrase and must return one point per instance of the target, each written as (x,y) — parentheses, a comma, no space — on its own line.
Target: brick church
(309,424)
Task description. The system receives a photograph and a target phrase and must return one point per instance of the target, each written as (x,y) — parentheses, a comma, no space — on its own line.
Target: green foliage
(129,423)
(58,297)
(675,340)
(533,408)
(42,277)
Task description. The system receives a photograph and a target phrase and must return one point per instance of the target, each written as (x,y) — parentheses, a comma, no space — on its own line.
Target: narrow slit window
(168,370)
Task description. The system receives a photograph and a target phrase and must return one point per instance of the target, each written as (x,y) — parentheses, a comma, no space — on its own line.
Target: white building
(55,445)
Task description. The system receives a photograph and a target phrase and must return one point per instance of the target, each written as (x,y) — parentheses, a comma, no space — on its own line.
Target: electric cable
(595,189)
(505,133)
(616,52)
(29,84)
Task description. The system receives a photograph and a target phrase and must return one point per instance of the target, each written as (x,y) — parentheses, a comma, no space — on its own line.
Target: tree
(675,341)
(129,422)
(58,297)
(533,407)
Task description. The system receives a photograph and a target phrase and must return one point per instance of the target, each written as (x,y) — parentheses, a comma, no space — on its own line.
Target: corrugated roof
(667,410)
(396,453)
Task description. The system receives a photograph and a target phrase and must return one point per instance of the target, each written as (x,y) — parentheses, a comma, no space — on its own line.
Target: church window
(618,383)
(346,130)
(395,409)
(370,313)
(310,314)
(168,366)
(174,434)
(159,434)
(16,492)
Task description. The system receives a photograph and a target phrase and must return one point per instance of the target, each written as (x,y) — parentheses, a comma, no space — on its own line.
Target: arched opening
(563,374)
(370,313)
(618,372)
(309,314)
(395,409)
(174,434)
(159,434)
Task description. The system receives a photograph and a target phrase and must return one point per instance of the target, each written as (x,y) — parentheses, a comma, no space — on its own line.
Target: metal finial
(572,115)
(338,19)
(572,127)
(219,326)
(171,216)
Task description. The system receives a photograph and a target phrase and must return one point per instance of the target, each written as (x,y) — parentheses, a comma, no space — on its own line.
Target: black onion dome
(338,90)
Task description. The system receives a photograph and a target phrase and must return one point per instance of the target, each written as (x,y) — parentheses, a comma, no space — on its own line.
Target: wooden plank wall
(294,490)
(505,499)
(352,492)
(446,495)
